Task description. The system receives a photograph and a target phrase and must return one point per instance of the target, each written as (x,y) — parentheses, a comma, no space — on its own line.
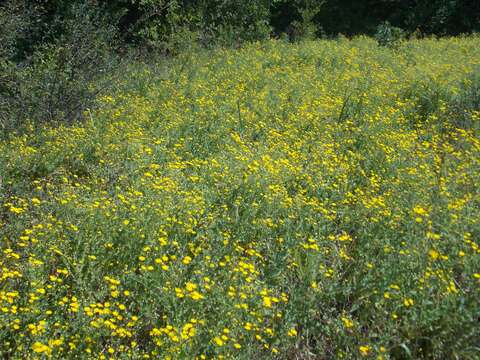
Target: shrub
(20,28)
(296,19)
(388,35)
(160,24)
(61,78)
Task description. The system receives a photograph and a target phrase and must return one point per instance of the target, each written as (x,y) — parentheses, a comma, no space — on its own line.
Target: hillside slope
(317,200)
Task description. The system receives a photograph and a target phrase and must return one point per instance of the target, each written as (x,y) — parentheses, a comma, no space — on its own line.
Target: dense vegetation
(58,56)
(175,184)
(310,200)
(157,21)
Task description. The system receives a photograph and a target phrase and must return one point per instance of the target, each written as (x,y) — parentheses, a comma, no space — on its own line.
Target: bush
(388,35)
(60,79)
(305,27)
(160,24)
(20,27)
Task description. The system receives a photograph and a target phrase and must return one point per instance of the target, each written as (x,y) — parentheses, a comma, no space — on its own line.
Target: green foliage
(315,200)
(388,35)
(439,17)
(443,17)
(52,52)
(61,78)
(159,24)
(20,22)
(305,27)
(163,24)
(236,20)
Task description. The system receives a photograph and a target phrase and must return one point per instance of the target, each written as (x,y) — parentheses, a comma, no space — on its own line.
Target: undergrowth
(296,201)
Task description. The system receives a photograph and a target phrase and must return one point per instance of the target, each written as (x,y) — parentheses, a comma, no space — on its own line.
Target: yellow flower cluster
(310,200)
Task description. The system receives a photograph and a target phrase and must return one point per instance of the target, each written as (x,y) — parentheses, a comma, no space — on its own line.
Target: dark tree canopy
(156,21)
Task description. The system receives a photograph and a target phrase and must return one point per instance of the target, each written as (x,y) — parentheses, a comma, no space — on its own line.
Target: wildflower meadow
(314,200)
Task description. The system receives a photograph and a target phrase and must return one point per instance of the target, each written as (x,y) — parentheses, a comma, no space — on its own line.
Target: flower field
(317,200)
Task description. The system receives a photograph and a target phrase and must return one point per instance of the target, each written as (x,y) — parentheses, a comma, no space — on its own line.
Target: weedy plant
(315,200)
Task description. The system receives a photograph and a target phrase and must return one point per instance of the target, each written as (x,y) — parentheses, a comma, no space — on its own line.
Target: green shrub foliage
(154,23)
(59,78)
(388,35)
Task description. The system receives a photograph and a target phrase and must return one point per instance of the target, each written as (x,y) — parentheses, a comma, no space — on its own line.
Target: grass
(317,200)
